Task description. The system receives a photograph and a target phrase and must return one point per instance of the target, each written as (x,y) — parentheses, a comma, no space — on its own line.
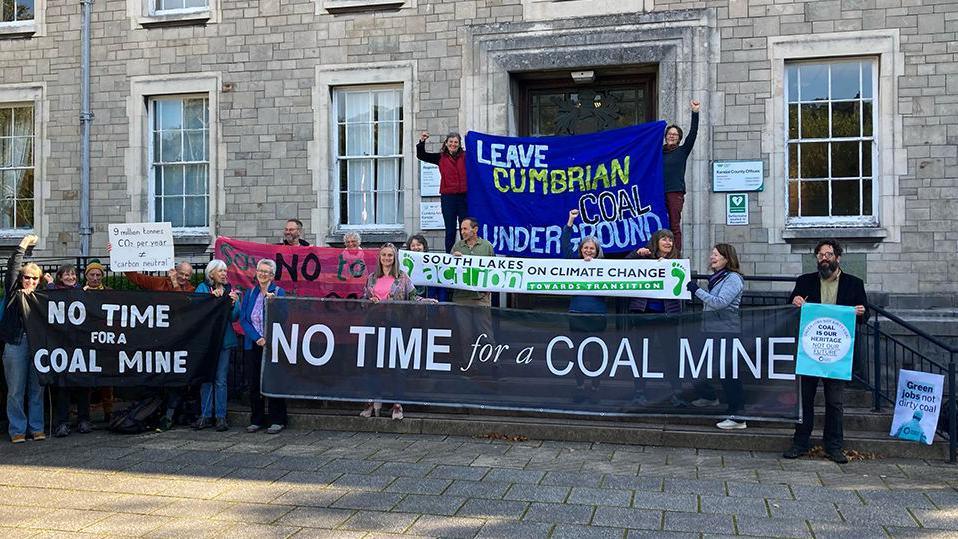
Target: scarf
(717,277)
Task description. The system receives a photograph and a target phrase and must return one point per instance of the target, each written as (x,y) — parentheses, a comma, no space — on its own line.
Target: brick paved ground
(343,484)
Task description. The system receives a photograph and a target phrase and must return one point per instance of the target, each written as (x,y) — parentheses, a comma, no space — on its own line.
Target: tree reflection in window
(829,141)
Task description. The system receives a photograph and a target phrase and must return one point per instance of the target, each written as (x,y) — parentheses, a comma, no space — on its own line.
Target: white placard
(730,176)
(428,179)
(736,209)
(917,406)
(430,216)
(141,247)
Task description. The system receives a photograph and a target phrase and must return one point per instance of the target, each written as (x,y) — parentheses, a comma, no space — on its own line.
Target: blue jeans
(216,391)
(22,381)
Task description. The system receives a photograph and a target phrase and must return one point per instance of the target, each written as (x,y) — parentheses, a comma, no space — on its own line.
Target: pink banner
(322,272)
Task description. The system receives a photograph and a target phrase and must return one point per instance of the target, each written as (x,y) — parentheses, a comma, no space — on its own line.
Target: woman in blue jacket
(215,391)
(252,315)
(721,317)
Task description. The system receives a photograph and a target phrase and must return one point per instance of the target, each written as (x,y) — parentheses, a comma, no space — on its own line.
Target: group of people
(721,297)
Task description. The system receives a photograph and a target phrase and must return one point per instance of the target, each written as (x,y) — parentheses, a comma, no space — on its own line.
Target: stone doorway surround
(683,44)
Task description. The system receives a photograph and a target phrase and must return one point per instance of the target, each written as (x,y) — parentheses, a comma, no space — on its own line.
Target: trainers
(253,428)
(166,424)
(397,411)
(61,431)
(222,425)
(200,423)
(705,403)
(367,411)
(837,456)
(677,401)
(84,427)
(38,436)
(794,452)
(730,424)
(18,438)
(275,428)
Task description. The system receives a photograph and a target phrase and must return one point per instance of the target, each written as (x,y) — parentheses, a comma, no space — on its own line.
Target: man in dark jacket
(292,234)
(829,285)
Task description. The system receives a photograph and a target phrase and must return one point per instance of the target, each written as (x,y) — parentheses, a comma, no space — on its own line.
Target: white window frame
(31,94)
(138,159)
(323,152)
(34,27)
(142,13)
(829,220)
(339,161)
(324,7)
(151,155)
(891,160)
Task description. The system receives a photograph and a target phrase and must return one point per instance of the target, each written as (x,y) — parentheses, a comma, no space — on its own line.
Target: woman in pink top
(389,283)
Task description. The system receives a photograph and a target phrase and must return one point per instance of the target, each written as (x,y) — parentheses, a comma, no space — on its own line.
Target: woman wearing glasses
(252,315)
(22,381)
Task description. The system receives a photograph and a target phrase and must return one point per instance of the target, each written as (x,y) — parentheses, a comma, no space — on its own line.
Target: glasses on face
(264,272)
(825,256)
(30,278)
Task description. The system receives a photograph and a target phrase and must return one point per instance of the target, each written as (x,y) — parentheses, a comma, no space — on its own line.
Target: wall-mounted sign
(430,216)
(736,209)
(728,176)
(428,179)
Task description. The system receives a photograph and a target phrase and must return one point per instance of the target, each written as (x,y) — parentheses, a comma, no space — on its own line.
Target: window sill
(184,237)
(336,7)
(18,31)
(370,238)
(848,233)
(198,18)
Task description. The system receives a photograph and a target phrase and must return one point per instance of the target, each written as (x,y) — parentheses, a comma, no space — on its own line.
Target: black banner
(456,355)
(114,338)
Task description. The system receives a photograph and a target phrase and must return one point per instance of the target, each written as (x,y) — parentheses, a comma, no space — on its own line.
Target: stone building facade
(230,117)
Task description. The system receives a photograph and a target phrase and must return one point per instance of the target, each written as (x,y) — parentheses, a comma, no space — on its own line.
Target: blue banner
(826,341)
(521,189)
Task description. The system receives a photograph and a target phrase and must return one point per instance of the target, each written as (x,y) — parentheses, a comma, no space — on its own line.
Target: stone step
(760,436)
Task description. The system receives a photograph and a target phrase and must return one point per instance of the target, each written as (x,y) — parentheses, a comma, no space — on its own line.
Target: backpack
(138,417)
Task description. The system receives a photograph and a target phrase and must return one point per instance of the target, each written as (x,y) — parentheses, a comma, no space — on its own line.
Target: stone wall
(270,60)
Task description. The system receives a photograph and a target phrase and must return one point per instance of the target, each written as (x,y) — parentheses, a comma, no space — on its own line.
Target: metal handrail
(909,326)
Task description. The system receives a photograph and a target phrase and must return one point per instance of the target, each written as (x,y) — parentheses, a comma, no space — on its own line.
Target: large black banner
(114,338)
(456,355)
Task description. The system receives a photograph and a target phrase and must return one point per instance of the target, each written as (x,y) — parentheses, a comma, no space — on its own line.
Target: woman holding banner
(252,315)
(721,316)
(22,381)
(215,391)
(65,279)
(389,283)
(588,250)
(418,243)
(452,181)
(661,246)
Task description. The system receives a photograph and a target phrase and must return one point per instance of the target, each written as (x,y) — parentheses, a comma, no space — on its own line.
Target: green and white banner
(660,279)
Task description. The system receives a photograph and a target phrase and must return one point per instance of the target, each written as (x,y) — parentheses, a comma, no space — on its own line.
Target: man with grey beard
(829,285)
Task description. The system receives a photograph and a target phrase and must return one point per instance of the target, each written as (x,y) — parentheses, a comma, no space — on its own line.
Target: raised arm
(421,152)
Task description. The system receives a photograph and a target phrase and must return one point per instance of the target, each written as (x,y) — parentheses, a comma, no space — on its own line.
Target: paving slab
(390,485)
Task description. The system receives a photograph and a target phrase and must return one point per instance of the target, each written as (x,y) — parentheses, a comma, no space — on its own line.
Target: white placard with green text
(661,279)
(736,209)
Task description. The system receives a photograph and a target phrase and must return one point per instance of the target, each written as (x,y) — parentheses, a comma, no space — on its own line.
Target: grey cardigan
(722,305)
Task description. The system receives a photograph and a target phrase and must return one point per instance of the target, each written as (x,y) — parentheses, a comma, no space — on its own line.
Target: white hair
(214,265)
(267,262)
